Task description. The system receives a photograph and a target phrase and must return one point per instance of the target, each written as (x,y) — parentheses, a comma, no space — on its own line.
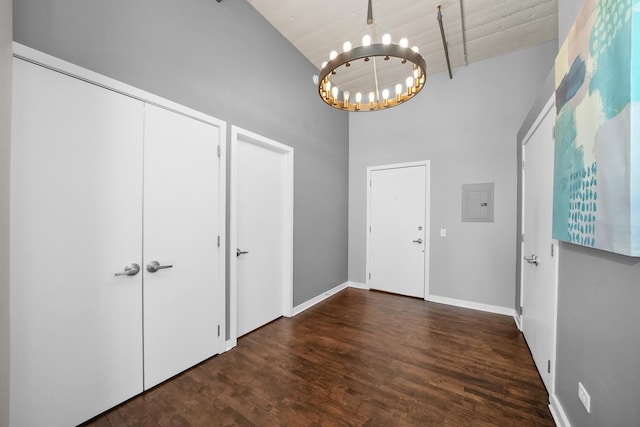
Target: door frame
(546,110)
(239,134)
(427,213)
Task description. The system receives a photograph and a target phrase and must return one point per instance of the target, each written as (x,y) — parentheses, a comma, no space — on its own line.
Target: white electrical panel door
(182,261)
(76,221)
(397,235)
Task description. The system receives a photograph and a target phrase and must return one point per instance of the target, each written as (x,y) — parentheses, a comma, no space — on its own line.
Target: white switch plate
(584,397)
(443,232)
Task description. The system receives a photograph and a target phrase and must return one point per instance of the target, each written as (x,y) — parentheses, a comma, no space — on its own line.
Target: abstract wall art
(596,194)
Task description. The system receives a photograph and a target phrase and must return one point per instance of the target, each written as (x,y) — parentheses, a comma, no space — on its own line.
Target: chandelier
(373,76)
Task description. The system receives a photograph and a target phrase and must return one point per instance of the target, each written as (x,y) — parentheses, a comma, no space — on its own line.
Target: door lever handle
(129,270)
(239,252)
(533,259)
(418,241)
(154,266)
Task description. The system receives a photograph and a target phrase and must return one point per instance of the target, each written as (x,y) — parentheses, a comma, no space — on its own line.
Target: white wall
(5,134)
(467,127)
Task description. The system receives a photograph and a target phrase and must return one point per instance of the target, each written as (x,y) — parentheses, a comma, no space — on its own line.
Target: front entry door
(398,238)
(539,265)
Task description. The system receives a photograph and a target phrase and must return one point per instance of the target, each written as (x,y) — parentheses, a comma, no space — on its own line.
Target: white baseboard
(357,285)
(517,319)
(557,412)
(230,343)
(313,301)
(472,305)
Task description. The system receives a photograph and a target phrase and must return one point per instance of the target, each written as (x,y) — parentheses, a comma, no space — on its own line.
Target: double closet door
(107,190)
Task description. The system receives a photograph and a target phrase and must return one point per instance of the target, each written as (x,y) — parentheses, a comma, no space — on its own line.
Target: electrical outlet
(443,232)
(584,397)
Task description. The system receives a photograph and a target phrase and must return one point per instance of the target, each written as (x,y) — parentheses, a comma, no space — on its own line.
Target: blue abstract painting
(596,194)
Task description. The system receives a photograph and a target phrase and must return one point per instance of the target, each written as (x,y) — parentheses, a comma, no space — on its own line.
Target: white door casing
(261,224)
(74,224)
(398,228)
(539,274)
(183,306)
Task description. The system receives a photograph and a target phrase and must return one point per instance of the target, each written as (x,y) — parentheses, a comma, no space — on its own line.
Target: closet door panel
(181,228)
(76,220)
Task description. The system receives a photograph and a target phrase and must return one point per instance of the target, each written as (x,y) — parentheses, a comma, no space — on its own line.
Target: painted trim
(313,301)
(239,134)
(557,411)
(357,285)
(516,318)
(427,219)
(473,305)
(44,60)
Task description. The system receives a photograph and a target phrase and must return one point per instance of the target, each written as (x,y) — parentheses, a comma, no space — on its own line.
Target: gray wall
(5,134)
(467,128)
(225,60)
(598,318)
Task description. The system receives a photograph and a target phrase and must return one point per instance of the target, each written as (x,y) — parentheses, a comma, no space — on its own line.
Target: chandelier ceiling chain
(393,55)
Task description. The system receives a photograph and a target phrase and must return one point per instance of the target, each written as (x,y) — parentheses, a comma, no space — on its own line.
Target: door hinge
(370,182)
(553,132)
(552,250)
(218,330)
(219,151)
(218,241)
(369,276)
(369,229)
(548,366)
(521,311)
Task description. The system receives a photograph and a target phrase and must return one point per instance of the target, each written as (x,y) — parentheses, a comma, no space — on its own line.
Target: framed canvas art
(596,194)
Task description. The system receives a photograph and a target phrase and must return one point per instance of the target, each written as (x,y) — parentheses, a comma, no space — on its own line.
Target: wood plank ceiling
(475,29)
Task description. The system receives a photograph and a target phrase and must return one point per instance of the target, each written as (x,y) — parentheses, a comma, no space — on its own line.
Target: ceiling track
(444,41)
(462,31)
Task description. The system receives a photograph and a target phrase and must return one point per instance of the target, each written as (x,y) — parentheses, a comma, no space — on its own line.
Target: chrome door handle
(154,266)
(129,270)
(533,259)
(239,252)
(417,241)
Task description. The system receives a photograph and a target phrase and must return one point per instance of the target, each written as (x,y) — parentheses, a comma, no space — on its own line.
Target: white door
(398,238)
(539,287)
(76,220)
(182,293)
(262,227)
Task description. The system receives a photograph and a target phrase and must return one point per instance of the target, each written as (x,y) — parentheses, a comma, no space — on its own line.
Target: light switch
(443,232)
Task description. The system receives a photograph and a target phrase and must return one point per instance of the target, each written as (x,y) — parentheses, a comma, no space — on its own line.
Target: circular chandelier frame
(365,53)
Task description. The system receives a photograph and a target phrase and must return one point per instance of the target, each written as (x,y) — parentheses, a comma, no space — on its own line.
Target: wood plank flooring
(359,358)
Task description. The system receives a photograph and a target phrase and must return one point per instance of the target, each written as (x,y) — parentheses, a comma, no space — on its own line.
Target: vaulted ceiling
(475,29)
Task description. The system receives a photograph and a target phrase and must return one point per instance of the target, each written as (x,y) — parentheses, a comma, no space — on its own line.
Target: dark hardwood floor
(358,358)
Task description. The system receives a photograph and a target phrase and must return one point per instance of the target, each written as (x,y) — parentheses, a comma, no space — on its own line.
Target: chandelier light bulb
(366,40)
(328,86)
(404,42)
(346,47)
(398,92)
(358,97)
(345,95)
(372,97)
(334,92)
(386,39)
(332,55)
(385,94)
(409,85)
